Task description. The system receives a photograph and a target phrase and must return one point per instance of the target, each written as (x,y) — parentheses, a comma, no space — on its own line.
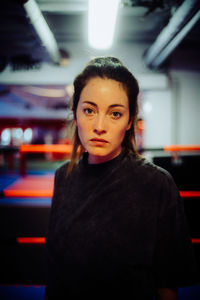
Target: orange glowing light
(31,240)
(181,148)
(31,186)
(57,148)
(28,193)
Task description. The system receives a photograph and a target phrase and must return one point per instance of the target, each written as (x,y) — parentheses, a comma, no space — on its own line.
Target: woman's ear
(129,124)
(75,121)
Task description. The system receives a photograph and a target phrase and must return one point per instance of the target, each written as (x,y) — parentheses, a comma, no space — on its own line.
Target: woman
(117,225)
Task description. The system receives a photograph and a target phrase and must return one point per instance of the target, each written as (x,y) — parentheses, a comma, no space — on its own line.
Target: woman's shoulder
(149,175)
(62,170)
(144,167)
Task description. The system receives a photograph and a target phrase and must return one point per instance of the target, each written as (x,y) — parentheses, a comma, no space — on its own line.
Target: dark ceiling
(139,21)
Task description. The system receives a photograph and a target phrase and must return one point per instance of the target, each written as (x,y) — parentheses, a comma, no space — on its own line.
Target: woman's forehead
(103,89)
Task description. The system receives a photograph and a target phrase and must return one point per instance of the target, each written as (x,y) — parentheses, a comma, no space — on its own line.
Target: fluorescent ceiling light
(41,27)
(101,22)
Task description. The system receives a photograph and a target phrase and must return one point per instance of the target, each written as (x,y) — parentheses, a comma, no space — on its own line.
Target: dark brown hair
(110,68)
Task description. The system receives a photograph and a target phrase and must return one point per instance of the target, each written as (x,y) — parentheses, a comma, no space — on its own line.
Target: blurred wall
(186,105)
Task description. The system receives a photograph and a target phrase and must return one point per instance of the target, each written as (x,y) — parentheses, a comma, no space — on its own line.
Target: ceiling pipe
(41,27)
(185,17)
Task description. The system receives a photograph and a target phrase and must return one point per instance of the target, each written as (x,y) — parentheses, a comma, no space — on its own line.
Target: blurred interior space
(44,45)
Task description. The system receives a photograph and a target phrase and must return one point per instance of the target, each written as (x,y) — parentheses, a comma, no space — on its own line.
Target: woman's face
(102,118)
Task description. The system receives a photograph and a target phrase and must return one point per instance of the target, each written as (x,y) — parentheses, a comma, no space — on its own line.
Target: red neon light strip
(49,193)
(31,240)
(28,193)
(195,241)
(42,240)
(190,194)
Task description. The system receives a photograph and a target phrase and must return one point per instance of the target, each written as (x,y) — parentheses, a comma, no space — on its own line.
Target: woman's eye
(116,114)
(88,111)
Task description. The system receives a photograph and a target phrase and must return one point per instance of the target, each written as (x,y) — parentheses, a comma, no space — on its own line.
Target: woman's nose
(100,124)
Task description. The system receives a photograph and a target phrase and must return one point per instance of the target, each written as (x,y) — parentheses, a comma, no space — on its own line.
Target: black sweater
(117,229)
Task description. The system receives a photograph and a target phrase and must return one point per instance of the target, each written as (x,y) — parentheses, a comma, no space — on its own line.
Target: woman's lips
(98,140)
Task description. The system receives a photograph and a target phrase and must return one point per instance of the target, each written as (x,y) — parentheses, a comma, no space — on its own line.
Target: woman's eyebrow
(90,102)
(114,105)
(110,106)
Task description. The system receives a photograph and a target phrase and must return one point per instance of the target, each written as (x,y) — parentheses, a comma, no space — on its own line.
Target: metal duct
(185,17)
(43,30)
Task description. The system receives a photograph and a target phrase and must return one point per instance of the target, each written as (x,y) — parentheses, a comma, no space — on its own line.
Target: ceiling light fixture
(42,29)
(102,15)
(182,21)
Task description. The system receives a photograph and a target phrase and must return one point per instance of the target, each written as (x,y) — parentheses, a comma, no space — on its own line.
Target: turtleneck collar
(101,166)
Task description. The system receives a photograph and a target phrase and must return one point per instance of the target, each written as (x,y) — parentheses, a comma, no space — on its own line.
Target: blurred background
(44,45)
